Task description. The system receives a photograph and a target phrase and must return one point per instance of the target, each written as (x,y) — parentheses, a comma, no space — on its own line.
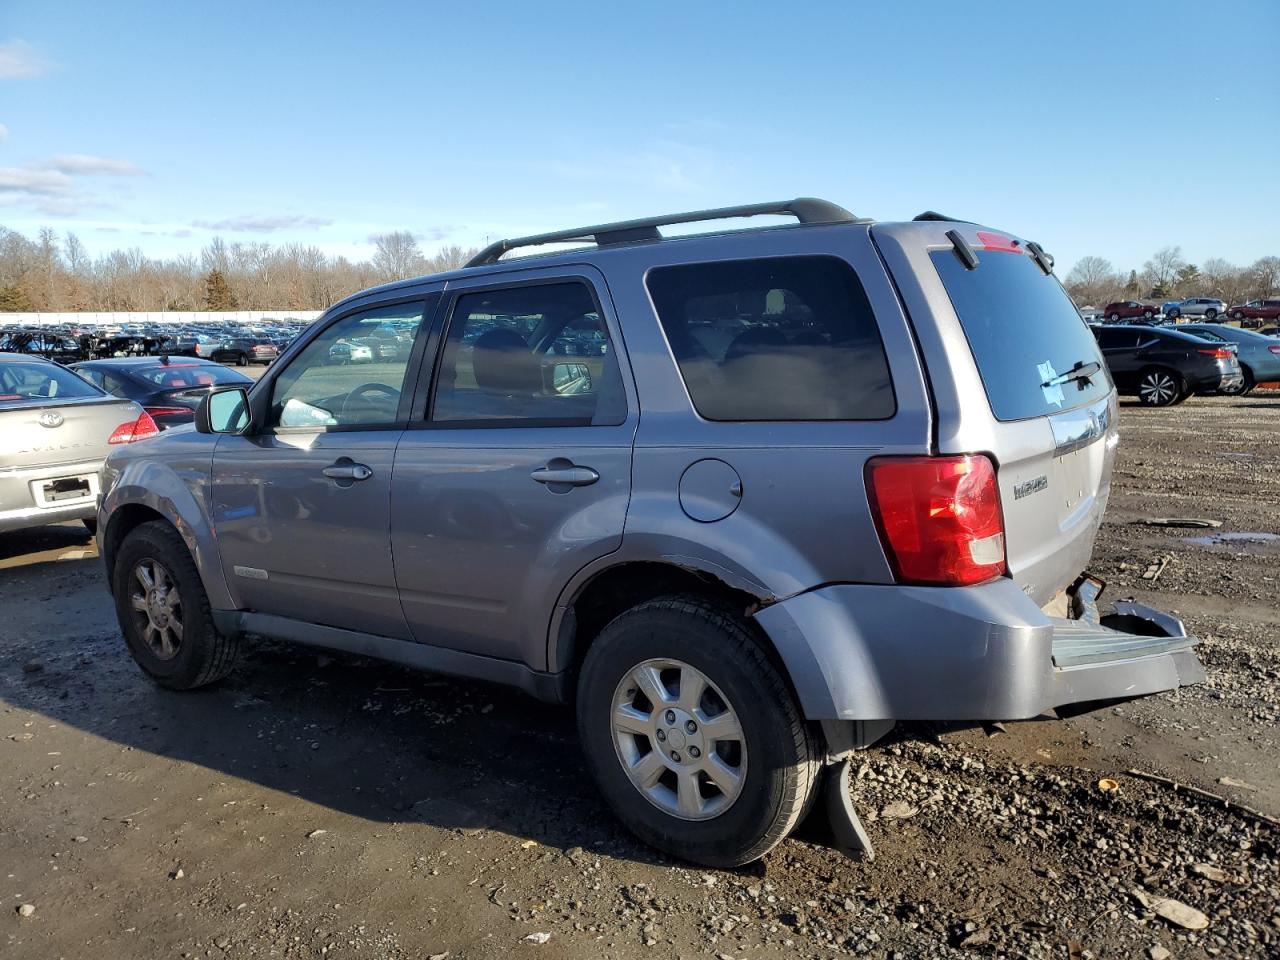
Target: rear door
(516,470)
(1001,341)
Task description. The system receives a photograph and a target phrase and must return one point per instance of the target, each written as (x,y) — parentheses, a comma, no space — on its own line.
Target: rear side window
(1024,333)
(784,338)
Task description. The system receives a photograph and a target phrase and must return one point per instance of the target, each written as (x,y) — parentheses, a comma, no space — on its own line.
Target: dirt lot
(329,806)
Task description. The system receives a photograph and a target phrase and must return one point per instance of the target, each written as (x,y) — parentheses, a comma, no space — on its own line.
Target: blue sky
(1106,128)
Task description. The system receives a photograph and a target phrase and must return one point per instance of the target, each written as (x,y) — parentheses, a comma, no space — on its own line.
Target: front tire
(1161,387)
(1210,314)
(1237,315)
(692,734)
(164,612)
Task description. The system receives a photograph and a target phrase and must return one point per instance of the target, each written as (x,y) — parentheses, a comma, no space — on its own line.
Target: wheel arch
(597,596)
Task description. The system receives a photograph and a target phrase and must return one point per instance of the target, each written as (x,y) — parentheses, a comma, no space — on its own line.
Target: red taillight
(939,518)
(169,411)
(134,430)
(1218,353)
(1274,349)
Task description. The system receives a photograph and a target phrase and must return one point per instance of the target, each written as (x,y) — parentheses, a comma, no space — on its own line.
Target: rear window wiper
(1082,372)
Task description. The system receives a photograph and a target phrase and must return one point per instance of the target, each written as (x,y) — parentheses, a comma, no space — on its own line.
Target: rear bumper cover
(865,652)
(18,502)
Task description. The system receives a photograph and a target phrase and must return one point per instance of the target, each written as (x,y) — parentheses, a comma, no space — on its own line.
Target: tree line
(55,273)
(1093,281)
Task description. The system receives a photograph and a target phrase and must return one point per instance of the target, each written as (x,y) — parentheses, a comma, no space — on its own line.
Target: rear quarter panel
(803,518)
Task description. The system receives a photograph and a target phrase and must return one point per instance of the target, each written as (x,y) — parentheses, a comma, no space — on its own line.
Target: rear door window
(775,339)
(1024,334)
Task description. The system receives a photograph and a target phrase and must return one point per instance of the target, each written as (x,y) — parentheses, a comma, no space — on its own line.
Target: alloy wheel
(157,608)
(1158,389)
(679,740)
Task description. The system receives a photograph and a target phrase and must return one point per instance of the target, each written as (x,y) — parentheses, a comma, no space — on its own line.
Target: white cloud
(85,163)
(4,133)
(262,224)
(32,181)
(19,59)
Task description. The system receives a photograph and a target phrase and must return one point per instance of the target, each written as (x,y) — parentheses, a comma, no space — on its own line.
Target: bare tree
(1093,281)
(397,255)
(450,257)
(1161,271)
(1265,277)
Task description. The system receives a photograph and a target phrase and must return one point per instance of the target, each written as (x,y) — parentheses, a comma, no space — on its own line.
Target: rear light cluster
(1218,353)
(939,518)
(134,430)
(1275,350)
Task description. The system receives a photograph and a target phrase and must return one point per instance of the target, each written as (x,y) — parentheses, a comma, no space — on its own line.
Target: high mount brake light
(134,430)
(998,242)
(939,518)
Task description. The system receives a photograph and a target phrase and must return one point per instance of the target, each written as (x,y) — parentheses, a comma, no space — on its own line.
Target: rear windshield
(1024,333)
(21,381)
(781,338)
(175,375)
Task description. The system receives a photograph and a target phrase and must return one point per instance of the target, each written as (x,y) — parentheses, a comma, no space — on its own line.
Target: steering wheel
(364,389)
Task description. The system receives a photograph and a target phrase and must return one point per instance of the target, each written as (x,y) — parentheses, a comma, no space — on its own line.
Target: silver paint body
(47,439)
(452,557)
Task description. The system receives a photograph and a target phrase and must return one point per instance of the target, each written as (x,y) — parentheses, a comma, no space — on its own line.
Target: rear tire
(1114,318)
(1161,387)
(1237,315)
(1210,313)
(193,655)
(630,739)
(242,361)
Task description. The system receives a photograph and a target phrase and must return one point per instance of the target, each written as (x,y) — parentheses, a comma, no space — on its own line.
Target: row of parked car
(222,343)
(1256,314)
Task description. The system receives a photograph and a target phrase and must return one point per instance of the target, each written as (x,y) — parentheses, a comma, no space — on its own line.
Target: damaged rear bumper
(865,652)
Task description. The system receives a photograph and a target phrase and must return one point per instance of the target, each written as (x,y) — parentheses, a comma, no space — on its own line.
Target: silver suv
(744,499)
(1206,307)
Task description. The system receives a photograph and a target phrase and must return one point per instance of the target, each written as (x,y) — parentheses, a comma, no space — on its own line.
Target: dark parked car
(1128,310)
(243,351)
(1256,310)
(1161,367)
(169,390)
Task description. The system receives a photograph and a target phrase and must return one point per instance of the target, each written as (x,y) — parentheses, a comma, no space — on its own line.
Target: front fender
(175,485)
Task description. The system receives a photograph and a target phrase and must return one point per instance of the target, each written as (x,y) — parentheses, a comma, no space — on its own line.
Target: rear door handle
(348,471)
(570,476)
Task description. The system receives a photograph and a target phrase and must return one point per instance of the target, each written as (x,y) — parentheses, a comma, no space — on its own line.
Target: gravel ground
(316,806)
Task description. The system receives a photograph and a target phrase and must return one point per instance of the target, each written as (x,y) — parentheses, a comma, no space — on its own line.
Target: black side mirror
(224,411)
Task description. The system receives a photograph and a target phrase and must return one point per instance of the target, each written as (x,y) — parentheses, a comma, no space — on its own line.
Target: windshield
(21,380)
(1024,333)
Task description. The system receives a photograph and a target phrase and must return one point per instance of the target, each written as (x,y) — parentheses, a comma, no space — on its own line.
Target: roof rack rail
(804,209)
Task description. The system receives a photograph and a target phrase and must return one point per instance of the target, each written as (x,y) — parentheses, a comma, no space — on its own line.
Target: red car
(1125,309)
(1256,310)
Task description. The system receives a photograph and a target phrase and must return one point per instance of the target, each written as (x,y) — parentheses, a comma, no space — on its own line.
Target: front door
(518,472)
(302,508)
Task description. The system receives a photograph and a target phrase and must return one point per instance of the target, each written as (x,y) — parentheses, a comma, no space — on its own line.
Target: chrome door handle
(570,476)
(348,471)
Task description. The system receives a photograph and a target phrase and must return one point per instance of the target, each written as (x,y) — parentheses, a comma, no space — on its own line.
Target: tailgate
(1017,375)
(50,432)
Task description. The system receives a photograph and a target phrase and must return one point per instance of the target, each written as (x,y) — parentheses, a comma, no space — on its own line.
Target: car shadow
(368,739)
